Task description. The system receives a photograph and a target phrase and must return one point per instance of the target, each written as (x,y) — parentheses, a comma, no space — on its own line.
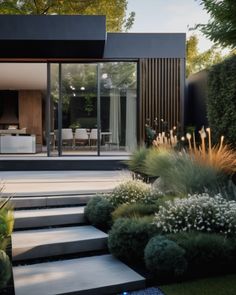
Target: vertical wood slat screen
(159,93)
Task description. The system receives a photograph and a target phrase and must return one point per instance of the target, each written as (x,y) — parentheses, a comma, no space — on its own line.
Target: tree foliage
(115,10)
(221,28)
(197,61)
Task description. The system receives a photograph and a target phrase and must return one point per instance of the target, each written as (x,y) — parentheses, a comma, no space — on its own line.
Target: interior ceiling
(22,76)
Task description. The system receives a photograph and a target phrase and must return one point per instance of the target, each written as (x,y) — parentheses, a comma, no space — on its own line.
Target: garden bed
(182,225)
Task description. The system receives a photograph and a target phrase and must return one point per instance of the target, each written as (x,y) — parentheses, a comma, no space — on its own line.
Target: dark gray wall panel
(145,45)
(196,100)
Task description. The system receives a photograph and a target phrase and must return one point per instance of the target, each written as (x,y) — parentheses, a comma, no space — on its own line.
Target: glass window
(118,107)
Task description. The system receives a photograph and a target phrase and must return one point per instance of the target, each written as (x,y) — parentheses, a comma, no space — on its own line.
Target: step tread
(48,212)
(43,243)
(47,201)
(33,238)
(90,275)
(28,197)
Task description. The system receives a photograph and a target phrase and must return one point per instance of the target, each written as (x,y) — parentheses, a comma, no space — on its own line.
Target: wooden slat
(159,92)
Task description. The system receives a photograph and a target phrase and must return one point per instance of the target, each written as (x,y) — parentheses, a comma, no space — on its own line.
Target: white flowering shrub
(197,213)
(130,192)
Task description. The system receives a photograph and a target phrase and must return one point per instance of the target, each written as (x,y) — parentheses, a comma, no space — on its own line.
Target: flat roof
(81,36)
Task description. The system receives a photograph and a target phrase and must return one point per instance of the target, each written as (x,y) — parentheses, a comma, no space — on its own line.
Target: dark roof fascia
(54,36)
(53,27)
(145,45)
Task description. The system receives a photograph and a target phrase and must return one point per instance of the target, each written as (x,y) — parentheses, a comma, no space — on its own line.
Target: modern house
(69,88)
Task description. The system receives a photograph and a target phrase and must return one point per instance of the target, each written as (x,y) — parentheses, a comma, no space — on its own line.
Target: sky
(169,16)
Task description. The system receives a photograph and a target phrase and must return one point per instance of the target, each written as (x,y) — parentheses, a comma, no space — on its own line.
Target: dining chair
(81,136)
(93,136)
(67,136)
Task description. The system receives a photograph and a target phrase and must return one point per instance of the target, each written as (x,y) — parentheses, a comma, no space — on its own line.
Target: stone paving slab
(48,217)
(88,276)
(48,212)
(38,183)
(68,200)
(50,201)
(31,244)
(40,189)
(62,176)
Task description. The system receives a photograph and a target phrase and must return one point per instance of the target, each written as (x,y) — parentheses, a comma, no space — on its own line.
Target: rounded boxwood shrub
(134,210)
(98,212)
(128,238)
(206,253)
(132,191)
(164,257)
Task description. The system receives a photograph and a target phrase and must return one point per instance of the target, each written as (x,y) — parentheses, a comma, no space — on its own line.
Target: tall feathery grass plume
(220,156)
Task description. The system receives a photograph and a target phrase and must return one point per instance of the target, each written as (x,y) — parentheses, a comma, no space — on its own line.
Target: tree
(221,28)
(197,61)
(115,10)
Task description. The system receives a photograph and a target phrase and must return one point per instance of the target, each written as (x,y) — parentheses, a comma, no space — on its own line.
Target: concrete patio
(39,183)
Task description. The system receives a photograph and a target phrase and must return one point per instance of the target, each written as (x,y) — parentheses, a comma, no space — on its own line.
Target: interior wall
(30,113)
(8,108)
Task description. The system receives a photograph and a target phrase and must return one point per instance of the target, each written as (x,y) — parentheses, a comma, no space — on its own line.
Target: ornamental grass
(221,156)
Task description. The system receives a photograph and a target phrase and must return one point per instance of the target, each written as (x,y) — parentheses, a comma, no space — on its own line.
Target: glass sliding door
(54,103)
(79,109)
(118,82)
(93,108)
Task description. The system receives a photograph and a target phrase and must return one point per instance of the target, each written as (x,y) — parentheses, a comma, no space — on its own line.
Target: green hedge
(221,101)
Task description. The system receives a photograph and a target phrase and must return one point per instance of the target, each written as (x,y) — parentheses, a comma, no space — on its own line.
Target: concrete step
(49,201)
(42,243)
(48,217)
(88,276)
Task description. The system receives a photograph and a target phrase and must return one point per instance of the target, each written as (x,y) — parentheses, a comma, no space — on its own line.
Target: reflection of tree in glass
(88,103)
(74,77)
(80,80)
(118,75)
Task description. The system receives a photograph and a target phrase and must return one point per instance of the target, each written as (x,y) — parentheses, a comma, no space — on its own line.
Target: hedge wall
(221,100)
